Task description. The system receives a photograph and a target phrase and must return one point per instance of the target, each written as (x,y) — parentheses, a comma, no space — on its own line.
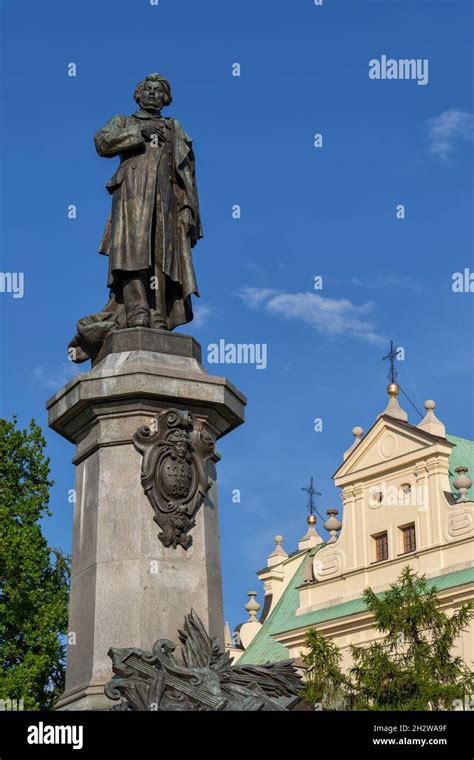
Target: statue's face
(152,96)
(181,448)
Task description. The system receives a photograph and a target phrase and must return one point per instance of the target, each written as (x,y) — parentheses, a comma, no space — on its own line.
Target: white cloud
(255,297)
(201,315)
(403,282)
(53,378)
(445,130)
(332,316)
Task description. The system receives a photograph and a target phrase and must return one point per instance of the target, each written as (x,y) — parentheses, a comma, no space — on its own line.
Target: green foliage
(324,682)
(411,666)
(34,579)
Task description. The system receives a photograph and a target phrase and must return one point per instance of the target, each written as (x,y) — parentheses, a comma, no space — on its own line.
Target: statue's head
(179,441)
(153,92)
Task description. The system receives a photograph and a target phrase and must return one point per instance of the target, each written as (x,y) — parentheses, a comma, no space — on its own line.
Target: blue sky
(304,212)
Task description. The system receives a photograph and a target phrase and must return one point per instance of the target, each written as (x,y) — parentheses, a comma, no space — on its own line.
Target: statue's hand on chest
(154,132)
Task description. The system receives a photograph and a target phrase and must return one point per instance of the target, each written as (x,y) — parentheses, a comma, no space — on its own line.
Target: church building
(407,500)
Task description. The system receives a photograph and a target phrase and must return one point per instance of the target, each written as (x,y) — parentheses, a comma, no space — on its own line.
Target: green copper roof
(265,649)
(462,454)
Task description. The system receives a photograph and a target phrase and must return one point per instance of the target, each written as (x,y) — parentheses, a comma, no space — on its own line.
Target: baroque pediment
(388,440)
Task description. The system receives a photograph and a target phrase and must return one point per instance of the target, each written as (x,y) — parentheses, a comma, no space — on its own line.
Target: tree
(411,667)
(34,579)
(325,685)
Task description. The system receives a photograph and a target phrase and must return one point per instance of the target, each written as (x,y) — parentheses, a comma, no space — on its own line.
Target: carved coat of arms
(174,472)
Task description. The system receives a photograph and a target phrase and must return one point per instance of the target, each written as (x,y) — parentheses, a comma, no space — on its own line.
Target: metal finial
(391,356)
(311,491)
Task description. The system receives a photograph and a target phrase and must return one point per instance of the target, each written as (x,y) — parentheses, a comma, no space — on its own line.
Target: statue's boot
(158,313)
(158,321)
(135,299)
(139,320)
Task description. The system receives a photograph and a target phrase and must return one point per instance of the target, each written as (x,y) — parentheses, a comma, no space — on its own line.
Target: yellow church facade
(407,500)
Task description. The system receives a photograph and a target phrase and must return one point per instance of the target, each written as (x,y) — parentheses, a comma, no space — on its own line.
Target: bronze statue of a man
(153,224)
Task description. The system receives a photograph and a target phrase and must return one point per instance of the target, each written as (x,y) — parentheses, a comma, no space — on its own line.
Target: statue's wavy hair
(153,78)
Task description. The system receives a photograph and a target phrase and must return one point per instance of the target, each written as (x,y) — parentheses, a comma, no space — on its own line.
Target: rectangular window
(381,547)
(408,538)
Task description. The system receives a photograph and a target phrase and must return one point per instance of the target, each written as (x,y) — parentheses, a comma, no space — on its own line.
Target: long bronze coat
(155,218)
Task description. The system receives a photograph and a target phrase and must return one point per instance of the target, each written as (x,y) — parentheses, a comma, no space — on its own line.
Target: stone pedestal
(127,589)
